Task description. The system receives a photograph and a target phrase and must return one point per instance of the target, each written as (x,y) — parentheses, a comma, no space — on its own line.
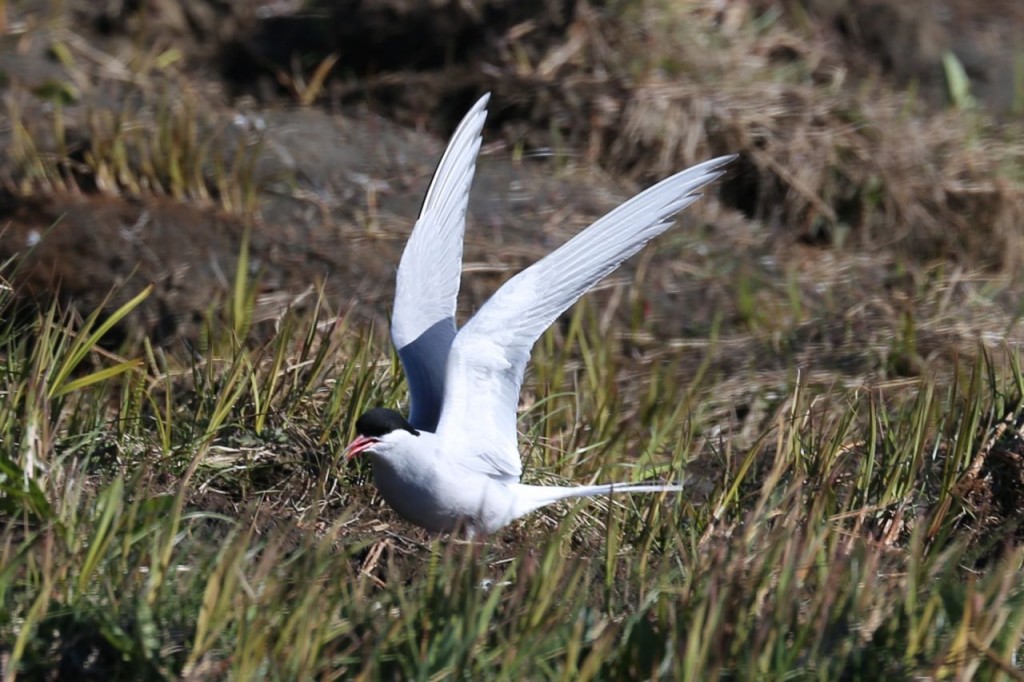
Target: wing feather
(489,355)
(427,286)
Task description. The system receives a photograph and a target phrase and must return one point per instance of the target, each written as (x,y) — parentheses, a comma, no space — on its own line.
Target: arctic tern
(455,463)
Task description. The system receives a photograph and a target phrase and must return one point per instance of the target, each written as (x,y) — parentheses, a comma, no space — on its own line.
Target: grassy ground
(829,358)
(194,521)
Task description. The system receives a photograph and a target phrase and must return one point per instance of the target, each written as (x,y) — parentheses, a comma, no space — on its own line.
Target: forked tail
(531,497)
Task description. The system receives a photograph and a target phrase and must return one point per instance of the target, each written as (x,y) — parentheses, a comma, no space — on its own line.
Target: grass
(166,520)
(163,139)
(850,435)
(830,155)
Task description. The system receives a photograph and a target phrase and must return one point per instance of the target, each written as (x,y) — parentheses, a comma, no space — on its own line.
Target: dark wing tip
(381,421)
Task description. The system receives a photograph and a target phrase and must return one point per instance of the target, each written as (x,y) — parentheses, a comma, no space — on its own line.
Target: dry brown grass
(829,157)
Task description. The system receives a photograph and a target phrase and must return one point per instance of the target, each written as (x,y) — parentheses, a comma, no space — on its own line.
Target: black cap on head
(381,421)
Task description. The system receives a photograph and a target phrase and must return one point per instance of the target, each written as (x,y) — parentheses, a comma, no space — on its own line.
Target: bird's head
(380,431)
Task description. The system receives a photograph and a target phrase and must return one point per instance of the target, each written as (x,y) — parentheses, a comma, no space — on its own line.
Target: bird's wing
(489,354)
(423,322)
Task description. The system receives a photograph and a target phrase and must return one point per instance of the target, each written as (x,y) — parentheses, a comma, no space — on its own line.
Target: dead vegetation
(826,349)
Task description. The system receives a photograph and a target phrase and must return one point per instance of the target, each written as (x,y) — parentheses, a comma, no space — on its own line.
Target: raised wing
(423,322)
(487,360)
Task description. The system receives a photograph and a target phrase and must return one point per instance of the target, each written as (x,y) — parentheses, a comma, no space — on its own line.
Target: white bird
(455,462)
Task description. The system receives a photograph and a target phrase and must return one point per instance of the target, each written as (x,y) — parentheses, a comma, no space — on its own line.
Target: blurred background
(871,228)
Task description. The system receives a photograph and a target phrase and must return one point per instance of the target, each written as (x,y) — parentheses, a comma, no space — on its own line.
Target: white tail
(531,497)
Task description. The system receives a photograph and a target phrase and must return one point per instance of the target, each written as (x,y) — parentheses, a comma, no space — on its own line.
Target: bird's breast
(443,498)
